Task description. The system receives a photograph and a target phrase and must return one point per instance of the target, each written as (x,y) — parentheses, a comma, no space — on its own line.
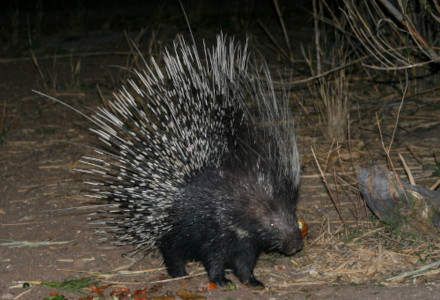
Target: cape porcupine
(192,168)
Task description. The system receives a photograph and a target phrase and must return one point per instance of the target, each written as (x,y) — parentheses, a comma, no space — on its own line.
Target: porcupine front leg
(214,264)
(173,259)
(243,265)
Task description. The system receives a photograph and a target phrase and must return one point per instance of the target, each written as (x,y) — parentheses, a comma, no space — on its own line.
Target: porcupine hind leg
(173,259)
(175,267)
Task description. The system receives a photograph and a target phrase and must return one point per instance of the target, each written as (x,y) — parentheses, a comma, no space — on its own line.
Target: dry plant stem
(138,37)
(405,67)
(390,165)
(286,37)
(416,157)
(40,73)
(273,40)
(388,150)
(437,6)
(71,55)
(411,29)
(416,272)
(54,74)
(178,278)
(382,37)
(363,203)
(324,179)
(75,69)
(308,59)
(377,47)
(407,170)
(3,118)
(130,63)
(317,34)
(356,207)
(101,96)
(334,20)
(151,43)
(323,74)
(435,185)
(328,155)
(405,90)
(369,233)
(337,198)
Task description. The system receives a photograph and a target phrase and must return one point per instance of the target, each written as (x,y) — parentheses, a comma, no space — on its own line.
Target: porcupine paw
(220,281)
(175,268)
(214,265)
(248,278)
(244,269)
(180,272)
(254,283)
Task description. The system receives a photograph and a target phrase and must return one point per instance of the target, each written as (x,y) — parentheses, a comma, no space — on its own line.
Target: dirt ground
(44,231)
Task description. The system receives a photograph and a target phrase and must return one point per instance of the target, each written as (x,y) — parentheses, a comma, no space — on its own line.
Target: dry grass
(329,93)
(375,255)
(330,98)
(395,34)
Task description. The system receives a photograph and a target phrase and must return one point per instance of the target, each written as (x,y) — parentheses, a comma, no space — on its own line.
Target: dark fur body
(225,219)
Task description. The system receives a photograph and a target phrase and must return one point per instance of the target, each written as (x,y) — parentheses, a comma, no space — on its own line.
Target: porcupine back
(197,126)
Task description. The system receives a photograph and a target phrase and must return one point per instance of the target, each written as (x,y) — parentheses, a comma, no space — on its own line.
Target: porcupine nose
(293,244)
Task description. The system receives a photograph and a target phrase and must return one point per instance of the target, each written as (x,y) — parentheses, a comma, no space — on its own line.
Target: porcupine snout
(292,242)
(291,239)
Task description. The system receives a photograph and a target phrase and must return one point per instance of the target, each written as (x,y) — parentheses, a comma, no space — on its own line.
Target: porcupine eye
(274,224)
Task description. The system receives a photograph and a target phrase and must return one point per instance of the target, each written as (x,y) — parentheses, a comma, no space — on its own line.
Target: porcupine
(200,161)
